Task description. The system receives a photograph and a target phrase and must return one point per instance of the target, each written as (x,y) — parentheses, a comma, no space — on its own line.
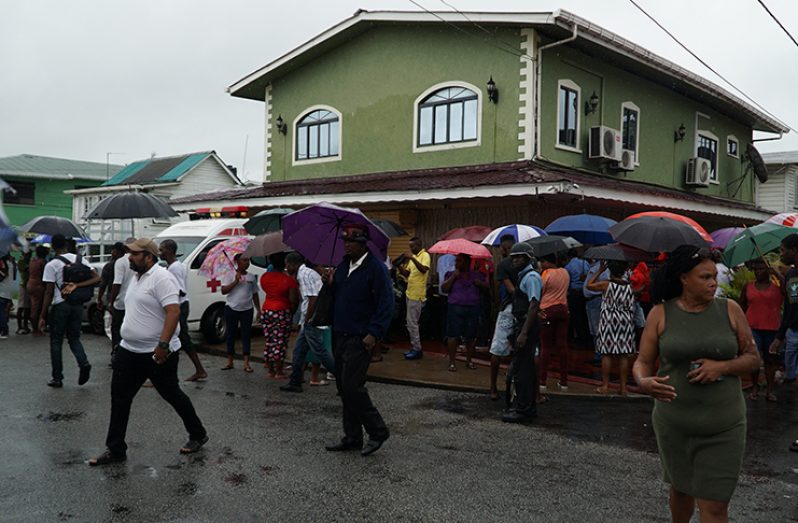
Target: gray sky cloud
(83,78)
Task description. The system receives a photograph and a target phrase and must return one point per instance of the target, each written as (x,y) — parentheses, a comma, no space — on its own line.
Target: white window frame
(709,134)
(635,108)
(304,113)
(569,84)
(447,146)
(732,138)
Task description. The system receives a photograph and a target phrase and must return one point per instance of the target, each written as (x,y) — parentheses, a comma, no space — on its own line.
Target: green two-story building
(440,120)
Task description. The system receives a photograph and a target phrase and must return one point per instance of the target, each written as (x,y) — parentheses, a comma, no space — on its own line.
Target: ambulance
(205,229)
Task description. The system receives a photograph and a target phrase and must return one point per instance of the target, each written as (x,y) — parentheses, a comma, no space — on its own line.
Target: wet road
(448,459)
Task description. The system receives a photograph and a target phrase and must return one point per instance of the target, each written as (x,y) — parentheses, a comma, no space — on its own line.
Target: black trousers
(117,317)
(131,370)
(351,364)
(523,372)
(579,331)
(185,337)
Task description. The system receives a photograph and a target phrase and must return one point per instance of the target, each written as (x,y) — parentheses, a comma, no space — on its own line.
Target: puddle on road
(236,479)
(64,516)
(60,416)
(119,509)
(187,489)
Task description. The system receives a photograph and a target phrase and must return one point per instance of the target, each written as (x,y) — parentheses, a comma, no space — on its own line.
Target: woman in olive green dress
(703,345)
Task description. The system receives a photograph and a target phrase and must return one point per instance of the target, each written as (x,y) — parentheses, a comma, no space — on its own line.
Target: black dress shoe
(372,446)
(107,458)
(513,416)
(342,446)
(55,384)
(85,372)
(291,387)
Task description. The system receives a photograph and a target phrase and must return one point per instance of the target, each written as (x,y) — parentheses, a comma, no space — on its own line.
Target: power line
(706,64)
(778,22)
(517,54)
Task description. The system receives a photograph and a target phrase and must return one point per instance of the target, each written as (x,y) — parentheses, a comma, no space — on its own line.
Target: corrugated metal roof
(57,168)
(780,157)
(450,178)
(156,170)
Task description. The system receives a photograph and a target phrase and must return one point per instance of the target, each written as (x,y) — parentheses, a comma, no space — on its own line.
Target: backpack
(77,272)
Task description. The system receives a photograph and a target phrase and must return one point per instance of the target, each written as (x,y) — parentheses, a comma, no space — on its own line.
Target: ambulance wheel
(212,324)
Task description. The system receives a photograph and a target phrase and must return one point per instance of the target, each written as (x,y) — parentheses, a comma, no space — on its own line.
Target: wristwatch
(163,345)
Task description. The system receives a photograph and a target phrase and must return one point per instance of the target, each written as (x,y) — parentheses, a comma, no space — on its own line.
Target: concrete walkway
(432,370)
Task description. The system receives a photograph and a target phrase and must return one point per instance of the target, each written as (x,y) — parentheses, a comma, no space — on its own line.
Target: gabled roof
(780,157)
(558,24)
(46,167)
(163,170)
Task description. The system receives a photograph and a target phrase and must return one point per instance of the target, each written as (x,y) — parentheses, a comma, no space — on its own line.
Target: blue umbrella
(587,228)
(48,238)
(7,237)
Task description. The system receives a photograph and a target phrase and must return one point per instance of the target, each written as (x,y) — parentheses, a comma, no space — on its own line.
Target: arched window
(449,115)
(318,135)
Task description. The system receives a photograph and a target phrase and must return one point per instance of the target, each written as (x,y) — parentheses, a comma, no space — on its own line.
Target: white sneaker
(3,336)
(563,388)
(330,376)
(543,388)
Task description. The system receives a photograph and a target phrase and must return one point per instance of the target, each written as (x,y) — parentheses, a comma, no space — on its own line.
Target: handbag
(323,313)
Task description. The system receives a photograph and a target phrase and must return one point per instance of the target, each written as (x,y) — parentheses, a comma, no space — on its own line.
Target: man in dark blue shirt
(362,312)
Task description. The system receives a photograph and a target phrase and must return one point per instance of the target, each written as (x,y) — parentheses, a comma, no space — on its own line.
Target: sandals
(771,398)
(452,367)
(471,365)
(247,368)
(193,445)
(228,366)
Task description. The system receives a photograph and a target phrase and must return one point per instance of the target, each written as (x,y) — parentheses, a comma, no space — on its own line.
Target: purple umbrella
(722,237)
(315,232)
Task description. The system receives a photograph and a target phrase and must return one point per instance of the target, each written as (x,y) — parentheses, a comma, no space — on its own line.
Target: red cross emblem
(213,284)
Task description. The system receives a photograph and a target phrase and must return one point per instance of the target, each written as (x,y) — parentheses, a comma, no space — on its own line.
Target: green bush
(738,280)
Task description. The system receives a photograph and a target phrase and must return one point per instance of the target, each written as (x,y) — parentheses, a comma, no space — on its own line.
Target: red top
(764,307)
(276,285)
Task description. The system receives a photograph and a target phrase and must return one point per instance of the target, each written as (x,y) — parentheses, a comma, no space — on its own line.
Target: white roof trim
(119,188)
(390,16)
(46,176)
(497,191)
(219,161)
(566,19)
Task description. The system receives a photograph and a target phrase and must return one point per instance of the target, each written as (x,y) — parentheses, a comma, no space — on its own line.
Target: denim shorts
(462,321)
(505,321)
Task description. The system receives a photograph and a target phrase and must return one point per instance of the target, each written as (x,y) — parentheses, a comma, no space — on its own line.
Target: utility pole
(108,164)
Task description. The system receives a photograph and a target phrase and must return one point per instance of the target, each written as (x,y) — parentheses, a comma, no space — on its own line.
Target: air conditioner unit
(698,170)
(604,143)
(627,161)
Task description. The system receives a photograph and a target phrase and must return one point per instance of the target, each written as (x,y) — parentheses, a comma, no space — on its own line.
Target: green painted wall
(374,79)
(662,111)
(49,196)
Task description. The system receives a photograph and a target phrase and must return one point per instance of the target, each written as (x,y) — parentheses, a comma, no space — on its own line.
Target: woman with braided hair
(703,345)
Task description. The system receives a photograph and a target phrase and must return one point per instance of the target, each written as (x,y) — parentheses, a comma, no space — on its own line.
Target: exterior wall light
(282,127)
(678,134)
(493,92)
(592,104)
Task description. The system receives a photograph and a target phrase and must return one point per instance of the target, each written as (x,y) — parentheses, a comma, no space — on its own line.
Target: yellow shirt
(417,280)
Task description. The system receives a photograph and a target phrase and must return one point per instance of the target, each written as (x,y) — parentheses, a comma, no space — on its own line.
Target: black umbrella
(617,252)
(392,229)
(551,244)
(131,205)
(656,234)
(270,220)
(53,225)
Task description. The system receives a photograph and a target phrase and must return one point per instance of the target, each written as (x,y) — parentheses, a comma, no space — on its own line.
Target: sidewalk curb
(200,347)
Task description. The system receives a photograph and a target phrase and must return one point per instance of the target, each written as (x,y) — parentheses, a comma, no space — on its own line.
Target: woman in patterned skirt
(616,328)
(282,298)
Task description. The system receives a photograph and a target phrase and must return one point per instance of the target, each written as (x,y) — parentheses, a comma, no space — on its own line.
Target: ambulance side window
(197,262)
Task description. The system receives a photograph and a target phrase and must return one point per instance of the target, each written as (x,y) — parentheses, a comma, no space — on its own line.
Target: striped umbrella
(788,219)
(520,232)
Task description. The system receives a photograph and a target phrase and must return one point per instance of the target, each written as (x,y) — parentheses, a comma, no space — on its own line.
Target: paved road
(448,459)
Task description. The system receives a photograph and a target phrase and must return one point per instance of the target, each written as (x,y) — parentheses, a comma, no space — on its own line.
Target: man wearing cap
(525,338)
(362,311)
(148,350)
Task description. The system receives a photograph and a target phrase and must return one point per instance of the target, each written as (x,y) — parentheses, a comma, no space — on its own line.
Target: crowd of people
(692,345)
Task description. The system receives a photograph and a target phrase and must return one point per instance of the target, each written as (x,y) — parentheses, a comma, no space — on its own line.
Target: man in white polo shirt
(148,350)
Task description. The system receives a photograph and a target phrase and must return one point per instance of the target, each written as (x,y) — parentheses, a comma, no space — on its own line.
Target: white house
(166,177)
(780,193)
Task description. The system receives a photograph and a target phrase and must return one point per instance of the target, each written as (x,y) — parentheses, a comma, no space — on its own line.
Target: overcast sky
(82,78)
